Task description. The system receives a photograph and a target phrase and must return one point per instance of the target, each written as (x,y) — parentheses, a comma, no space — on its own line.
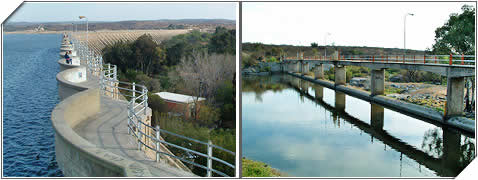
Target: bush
(252,168)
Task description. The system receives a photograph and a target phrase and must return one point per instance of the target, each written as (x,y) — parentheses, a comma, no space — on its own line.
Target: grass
(252,168)
(391,90)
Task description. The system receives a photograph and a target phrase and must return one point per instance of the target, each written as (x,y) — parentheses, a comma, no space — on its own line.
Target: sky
(372,24)
(67,11)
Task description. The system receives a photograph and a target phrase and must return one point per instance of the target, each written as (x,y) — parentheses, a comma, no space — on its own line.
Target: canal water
(303,129)
(29,96)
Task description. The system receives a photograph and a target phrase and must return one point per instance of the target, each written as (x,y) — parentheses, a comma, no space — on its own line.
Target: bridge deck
(108,130)
(454,70)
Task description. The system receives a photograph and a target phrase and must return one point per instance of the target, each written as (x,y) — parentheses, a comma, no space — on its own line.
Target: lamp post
(405,30)
(81,17)
(325,41)
(87,48)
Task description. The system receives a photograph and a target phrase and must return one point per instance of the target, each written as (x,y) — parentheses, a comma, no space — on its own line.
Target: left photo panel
(140,89)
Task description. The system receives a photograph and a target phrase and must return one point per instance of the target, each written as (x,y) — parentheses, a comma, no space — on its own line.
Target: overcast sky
(351,24)
(51,12)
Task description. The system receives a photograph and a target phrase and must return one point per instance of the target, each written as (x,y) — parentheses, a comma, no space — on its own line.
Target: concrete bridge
(99,132)
(456,69)
(447,165)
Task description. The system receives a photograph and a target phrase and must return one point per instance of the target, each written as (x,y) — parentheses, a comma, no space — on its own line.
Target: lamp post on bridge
(87,48)
(325,41)
(405,30)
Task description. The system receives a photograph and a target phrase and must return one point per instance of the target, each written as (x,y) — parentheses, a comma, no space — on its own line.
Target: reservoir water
(29,96)
(303,129)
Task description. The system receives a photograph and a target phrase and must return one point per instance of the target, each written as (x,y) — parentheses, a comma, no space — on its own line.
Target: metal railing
(137,107)
(414,59)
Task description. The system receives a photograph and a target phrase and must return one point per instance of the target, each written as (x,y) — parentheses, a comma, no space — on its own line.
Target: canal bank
(461,123)
(316,131)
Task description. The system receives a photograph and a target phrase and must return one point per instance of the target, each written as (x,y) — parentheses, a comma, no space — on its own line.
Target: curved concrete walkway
(108,130)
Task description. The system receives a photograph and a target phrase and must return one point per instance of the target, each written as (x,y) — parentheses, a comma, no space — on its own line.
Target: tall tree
(457,35)
(223,41)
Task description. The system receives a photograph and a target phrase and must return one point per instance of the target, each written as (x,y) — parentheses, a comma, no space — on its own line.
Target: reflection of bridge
(447,165)
(455,69)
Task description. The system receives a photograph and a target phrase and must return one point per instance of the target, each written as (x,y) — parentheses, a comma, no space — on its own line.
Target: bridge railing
(415,59)
(137,99)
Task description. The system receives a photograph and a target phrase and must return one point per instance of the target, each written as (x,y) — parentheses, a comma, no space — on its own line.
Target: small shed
(180,104)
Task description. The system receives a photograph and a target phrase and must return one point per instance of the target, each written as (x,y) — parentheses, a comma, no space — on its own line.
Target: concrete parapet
(76,156)
(70,82)
(427,114)
(64,66)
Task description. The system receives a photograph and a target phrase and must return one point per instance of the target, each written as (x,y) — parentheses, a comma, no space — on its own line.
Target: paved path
(108,130)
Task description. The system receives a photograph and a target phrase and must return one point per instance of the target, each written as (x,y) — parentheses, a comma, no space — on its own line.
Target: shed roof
(180,98)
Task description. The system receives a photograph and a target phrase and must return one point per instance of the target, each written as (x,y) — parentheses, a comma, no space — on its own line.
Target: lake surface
(307,130)
(29,95)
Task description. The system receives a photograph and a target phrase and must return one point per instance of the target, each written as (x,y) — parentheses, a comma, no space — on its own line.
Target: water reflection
(303,140)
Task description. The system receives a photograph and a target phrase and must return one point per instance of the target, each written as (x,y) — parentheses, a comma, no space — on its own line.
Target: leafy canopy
(457,35)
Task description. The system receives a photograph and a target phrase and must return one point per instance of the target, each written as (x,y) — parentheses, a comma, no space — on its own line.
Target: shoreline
(254,168)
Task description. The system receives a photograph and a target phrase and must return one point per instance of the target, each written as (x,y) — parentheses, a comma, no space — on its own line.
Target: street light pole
(405,30)
(325,41)
(87,48)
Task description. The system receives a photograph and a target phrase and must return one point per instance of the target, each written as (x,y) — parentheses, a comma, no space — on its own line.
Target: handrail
(451,59)
(137,109)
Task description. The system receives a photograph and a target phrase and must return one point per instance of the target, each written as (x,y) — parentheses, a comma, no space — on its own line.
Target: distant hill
(206,24)
(290,50)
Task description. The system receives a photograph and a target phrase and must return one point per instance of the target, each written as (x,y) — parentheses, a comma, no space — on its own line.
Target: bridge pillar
(305,68)
(319,91)
(377,82)
(319,72)
(454,96)
(340,75)
(376,117)
(339,101)
(297,67)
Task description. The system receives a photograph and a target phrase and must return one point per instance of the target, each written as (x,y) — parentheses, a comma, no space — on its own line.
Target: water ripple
(30,94)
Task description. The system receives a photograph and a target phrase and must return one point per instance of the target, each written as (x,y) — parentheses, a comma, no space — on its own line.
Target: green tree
(457,35)
(314,45)
(223,41)
(145,53)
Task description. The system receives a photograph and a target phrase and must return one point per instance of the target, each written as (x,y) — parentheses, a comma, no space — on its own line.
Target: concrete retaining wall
(414,110)
(76,156)
(67,88)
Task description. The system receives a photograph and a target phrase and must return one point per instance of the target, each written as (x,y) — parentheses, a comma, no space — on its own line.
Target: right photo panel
(357,89)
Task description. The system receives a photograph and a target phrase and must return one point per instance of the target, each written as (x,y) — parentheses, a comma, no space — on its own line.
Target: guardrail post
(134,92)
(209,160)
(129,122)
(109,70)
(462,59)
(373,58)
(435,59)
(404,59)
(424,59)
(158,148)
(145,100)
(451,58)
(139,131)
